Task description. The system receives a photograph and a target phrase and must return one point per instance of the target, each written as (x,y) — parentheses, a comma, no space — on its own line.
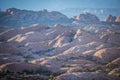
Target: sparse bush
(107,70)
(19,54)
(39,71)
(70,40)
(66,65)
(51,77)
(73,58)
(28,71)
(28,57)
(95,68)
(25,60)
(89,57)
(24,74)
(118,74)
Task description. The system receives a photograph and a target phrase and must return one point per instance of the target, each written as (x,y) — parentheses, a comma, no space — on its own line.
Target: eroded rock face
(85,76)
(87,17)
(114,67)
(114,64)
(117,19)
(111,38)
(111,18)
(13,32)
(107,54)
(72,54)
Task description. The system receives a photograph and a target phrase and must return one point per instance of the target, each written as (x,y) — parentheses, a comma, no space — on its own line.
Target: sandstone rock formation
(65,52)
(117,19)
(107,54)
(87,17)
(111,18)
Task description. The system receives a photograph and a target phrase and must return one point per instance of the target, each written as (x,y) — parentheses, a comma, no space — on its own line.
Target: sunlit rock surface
(66,52)
(87,17)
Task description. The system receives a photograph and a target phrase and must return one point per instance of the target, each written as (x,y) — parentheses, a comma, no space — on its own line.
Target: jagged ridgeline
(13,18)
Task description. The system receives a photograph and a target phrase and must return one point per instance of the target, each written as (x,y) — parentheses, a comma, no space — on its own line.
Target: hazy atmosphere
(58,4)
(59,39)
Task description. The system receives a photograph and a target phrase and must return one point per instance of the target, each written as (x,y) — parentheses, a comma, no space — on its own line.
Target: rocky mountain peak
(44,10)
(110,18)
(86,17)
(11,9)
(117,19)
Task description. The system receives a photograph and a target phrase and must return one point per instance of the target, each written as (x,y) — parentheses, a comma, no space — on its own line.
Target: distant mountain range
(100,12)
(13,18)
(16,17)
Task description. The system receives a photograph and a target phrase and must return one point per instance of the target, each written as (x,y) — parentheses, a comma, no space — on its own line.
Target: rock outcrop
(111,18)
(107,54)
(117,19)
(87,17)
